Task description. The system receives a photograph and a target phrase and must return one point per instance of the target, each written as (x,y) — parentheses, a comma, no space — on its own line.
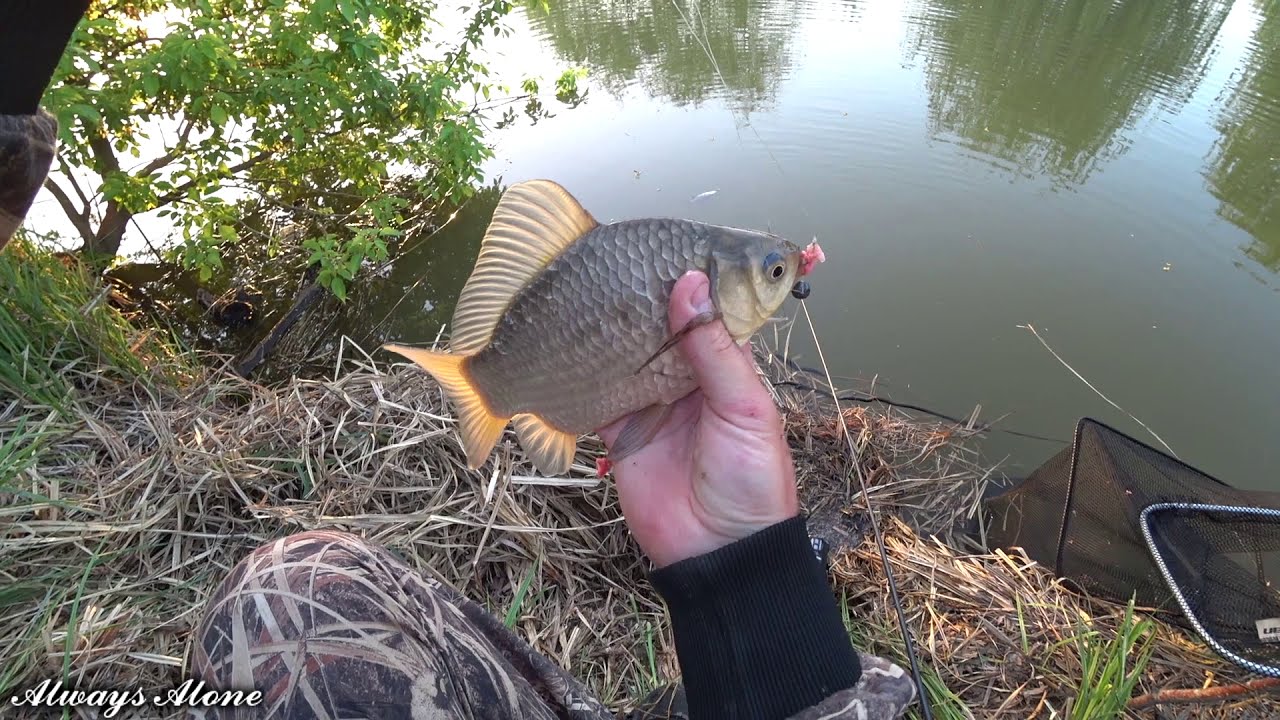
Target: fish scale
(557,331)
(612,288)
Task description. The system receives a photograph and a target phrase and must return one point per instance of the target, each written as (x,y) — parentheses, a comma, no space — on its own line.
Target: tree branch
(80,222)
(181,190)
(66,170)
(104,154)
(1197,696)
(163,160)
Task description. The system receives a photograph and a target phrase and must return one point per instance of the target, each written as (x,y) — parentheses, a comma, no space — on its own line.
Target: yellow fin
(534,221)
(480,428)
(551,450)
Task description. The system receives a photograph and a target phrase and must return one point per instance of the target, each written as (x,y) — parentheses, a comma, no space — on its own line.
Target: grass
(130,489)
(514,612)
(1111,665)
(57,329)
(998,636)
(880,636)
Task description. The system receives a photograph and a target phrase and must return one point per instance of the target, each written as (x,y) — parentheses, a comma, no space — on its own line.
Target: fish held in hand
(562,327)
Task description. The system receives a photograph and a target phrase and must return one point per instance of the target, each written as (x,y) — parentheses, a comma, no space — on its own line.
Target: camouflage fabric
(329,626)
(27,145)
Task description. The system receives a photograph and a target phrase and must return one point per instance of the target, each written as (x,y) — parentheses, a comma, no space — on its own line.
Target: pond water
(1105,171)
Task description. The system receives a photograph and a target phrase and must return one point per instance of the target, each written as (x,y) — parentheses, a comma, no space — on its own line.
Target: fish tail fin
(551,450)
(479,425)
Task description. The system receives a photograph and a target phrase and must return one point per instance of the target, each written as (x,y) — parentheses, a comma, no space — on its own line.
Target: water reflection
(667,46)
(1048,87)
(415,300)
(1244,167)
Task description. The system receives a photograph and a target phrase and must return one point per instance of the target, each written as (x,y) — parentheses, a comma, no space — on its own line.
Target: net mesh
(1120,520)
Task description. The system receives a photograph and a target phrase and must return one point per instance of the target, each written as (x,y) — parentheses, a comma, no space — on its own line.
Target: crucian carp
(562,327)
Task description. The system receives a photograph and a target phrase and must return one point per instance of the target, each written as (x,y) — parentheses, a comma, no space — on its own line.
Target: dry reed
(134,509)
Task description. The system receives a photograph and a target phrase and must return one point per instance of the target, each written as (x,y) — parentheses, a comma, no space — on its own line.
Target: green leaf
(339,288)
(88,112)
(271,67)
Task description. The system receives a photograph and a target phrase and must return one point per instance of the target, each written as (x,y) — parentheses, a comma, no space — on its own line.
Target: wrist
(723,522)
(757,625)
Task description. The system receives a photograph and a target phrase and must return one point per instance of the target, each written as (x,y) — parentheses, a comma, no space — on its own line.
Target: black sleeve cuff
(757,629)
(33,36)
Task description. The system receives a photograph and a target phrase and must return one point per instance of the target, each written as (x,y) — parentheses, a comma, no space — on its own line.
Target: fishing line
(746,117)
(884,556)
(875,525)
(863,398)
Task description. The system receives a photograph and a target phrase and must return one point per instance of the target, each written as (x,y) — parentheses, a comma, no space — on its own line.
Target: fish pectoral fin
(550,450)
(479,426)
(638,431)
(694,323)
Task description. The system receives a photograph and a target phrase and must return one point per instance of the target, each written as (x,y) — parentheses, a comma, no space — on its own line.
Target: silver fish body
(571,344)
(563,328)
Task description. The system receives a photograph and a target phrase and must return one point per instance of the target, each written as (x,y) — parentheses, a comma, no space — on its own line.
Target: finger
(725,372)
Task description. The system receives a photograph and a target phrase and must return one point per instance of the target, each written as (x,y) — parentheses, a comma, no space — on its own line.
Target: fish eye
(773,266)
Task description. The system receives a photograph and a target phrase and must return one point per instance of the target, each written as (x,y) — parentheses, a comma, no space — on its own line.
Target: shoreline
(140,495)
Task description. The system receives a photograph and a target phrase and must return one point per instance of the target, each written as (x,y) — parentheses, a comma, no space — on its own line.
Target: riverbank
(136,475)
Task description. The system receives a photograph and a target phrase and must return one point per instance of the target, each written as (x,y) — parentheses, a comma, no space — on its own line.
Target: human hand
(718,469)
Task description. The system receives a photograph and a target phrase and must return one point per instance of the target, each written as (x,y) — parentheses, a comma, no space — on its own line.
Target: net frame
(1060,475)
(1174,587)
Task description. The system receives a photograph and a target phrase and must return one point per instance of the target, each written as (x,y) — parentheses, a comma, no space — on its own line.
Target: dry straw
(137,505)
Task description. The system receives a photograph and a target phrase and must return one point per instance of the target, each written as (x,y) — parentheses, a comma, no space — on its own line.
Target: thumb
(725,372)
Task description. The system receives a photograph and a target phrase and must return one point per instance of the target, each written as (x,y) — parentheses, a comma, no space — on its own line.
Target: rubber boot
(665,703)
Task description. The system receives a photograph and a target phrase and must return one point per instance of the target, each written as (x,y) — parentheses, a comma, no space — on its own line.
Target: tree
(287,100)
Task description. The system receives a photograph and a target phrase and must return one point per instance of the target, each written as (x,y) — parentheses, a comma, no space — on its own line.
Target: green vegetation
(1111,666)
(59,335)
(58,329)
(513,613)
(167,106)
(880,635)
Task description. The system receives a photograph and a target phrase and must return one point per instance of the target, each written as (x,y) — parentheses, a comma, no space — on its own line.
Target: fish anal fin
(479,426)
(638,431)
(533,223)
(550,450)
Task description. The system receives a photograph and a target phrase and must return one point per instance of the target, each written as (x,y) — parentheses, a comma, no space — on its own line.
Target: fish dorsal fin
(534,222)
